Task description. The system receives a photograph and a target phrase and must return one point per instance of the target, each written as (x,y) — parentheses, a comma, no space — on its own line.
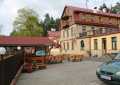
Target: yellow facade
(76,48)
(70,42)
(86,33)
(100,50)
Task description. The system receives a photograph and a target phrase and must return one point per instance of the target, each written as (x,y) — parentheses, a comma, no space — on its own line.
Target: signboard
(40,53)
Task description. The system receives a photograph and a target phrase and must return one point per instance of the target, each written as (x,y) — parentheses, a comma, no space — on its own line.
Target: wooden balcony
(95,23)
(99,32)
(107,32)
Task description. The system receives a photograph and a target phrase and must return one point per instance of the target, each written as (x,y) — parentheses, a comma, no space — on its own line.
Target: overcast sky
(8,9)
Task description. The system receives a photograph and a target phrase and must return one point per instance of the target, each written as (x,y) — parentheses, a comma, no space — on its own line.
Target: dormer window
(65,17)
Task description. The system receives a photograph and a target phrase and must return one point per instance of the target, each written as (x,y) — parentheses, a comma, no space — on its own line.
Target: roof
(53,34)
(24,41)
(73,8)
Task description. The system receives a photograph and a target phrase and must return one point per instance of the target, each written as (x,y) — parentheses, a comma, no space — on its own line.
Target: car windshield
(117,57)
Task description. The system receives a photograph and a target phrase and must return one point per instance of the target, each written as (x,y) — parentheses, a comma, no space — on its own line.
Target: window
(114,43)
(40,53)
(92,28)
(83,28)
(82,45)
(63,33)
(72,45)
(82,16)
(67,45)
(89,17)
(110,21)
(95,44)
(100,19)
(67,32)
(64,45)
(71,31)
(103,30)
(104,44)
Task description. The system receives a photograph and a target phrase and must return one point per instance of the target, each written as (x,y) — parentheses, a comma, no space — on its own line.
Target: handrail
(98,32)
(6,57)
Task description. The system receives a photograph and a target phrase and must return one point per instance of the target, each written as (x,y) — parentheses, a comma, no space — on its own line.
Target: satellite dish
(2,50)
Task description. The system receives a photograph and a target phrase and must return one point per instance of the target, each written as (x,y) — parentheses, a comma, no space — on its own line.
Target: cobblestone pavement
(69,73)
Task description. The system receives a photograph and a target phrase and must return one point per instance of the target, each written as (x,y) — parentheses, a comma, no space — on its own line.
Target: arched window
(82,45)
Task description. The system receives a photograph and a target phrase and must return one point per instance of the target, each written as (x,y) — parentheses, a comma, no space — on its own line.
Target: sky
(9,8)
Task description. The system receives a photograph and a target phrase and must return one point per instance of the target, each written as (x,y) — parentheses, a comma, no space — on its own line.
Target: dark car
(109,72)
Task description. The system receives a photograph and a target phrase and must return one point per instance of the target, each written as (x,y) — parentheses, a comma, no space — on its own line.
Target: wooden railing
(99,32)
(107,31)
(9,65)
(95,23)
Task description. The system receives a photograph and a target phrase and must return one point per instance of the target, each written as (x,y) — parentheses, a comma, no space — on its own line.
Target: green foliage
(57,21)
(116,8)
(50,22)
(27,24)
(104,6)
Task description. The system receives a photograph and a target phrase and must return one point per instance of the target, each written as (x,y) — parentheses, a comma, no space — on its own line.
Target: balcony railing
(96,23)
(99,32)
(105,32)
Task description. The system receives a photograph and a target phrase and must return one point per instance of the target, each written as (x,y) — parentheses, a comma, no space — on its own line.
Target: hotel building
(89,32)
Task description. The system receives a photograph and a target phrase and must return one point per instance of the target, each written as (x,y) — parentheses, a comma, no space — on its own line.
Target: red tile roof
(24,41)
(53,34)
(91,11)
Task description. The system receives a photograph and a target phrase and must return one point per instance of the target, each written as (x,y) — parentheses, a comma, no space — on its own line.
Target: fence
(9,68)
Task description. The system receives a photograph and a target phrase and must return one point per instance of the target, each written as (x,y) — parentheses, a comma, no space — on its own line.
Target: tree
(116,8)
(27,24)
(50,22)
(104,6)
(47,21)
(57,21)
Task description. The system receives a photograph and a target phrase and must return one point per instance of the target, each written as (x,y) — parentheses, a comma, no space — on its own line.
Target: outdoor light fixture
(18,48)
(50,46)
(2,50)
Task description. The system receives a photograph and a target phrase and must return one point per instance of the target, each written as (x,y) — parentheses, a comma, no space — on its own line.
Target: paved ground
(70,73)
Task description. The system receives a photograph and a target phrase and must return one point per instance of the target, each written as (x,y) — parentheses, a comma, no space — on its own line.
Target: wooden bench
(39,66)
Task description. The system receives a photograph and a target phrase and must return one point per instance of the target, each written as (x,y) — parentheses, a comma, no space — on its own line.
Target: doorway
(104,46)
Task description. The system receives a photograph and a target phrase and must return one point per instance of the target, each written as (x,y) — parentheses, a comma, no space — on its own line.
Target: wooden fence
(9,67)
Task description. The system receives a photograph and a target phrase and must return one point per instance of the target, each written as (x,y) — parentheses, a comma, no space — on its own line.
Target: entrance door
(104,46)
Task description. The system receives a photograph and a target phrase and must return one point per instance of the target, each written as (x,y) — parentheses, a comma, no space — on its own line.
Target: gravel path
(70,73)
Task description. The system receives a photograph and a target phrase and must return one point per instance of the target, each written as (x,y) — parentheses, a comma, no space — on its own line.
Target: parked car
(109,72)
